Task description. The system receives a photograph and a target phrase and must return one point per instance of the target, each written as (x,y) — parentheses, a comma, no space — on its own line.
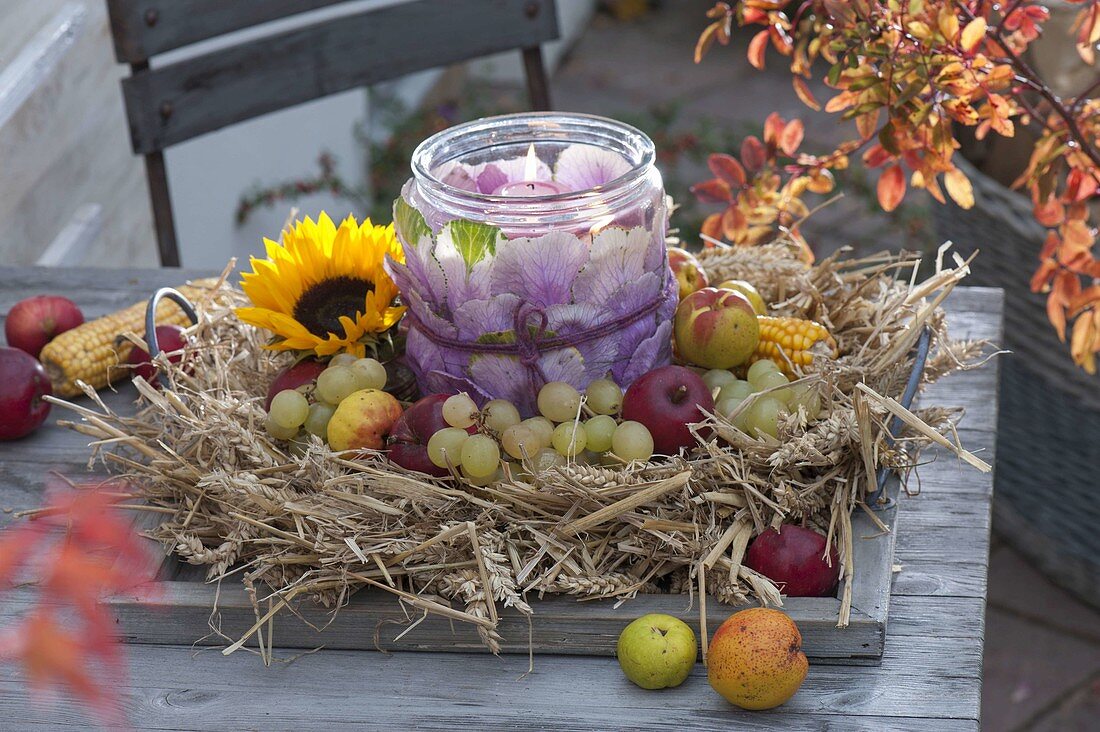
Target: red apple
(296,374)
(689,274)
(34,322)
(23,383)
(408,442)
(170,338)
(794,558)
(666,400)
(716,329)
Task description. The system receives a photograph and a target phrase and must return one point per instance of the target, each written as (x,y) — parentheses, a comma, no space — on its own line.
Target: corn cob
(801,341)
(93,351)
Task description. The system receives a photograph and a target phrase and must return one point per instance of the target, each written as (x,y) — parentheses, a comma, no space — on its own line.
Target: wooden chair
(168,104)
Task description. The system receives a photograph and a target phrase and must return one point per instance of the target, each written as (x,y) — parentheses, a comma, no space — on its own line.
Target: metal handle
(151,319)
(895,425)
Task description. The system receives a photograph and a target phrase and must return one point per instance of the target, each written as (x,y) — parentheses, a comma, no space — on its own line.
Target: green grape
(546,459)
(336,383)
(764,416)
(559,401)
(604,397)
(736,389)
(718,378)
(569,438)
(775,378)
(289,408)
(599,430)
(277,431)
(317,421)
(447,445)
(542,427)
(342,359)
(725,407)
(808,397)
(519,439)
(500,415)
(480,456)
(758,369)
(460,411)
(371,373)
(632,441)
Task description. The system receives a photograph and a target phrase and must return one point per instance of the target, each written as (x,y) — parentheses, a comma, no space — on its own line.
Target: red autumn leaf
(876,156)
(802,89)
(1080,186)
(712,191)
(891,188)
(757,46)
(753,154)
(727,168)
(1040,281)
(791,137)
(773,128)
(1050,245)
(1049,214)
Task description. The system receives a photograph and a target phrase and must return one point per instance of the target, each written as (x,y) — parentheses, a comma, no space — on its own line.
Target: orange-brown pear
(755,659)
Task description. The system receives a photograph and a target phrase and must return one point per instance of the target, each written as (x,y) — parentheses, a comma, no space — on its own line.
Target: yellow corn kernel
(791,342)
(92,352)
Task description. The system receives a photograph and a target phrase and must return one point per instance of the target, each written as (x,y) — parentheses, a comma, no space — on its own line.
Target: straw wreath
(310,525)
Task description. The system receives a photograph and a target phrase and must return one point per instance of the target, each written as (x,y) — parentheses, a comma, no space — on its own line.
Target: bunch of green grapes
(763,413)
(309,408)
(478,440)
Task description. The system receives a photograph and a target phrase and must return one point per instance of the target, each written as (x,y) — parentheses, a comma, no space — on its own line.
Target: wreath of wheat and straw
(321,525)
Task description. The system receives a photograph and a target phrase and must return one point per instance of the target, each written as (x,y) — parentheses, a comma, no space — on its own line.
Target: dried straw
(307,523)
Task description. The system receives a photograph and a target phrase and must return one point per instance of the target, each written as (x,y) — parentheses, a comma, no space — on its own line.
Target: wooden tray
(182,613)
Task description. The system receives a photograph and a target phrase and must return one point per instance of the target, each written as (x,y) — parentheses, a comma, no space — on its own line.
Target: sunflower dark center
(320,307)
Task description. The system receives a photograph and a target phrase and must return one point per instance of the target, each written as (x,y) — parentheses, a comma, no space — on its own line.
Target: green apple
(657,651)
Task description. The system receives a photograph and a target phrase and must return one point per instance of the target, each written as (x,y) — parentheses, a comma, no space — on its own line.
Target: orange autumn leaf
(973,34)
(1051,213)
(757,46)
(712,228)
(959,188)
(802,89)
(891,188)
(791,136)
(1085,341)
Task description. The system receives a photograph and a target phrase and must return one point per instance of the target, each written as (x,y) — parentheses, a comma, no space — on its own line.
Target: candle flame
(531,166)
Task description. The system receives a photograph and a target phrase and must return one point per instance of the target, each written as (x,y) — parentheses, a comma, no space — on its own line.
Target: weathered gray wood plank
(144,28)
(176,102)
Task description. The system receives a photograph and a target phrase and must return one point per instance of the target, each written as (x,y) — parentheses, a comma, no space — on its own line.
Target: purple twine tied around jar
(531,342)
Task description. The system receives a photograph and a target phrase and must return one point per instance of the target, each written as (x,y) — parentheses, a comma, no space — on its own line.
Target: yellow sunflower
(324,289)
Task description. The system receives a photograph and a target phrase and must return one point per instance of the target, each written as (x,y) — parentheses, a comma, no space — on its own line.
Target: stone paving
(1042,661)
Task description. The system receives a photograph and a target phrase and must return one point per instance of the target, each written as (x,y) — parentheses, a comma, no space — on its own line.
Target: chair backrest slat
(173,103)
(143,28)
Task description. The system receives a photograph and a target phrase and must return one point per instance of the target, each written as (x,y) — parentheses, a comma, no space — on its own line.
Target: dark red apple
(794,558)
(408,441)
(296,374)
(666,400)
(34,322)
(23,383)
(170,338)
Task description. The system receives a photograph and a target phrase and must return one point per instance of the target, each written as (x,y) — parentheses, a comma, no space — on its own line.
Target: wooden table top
(930,677)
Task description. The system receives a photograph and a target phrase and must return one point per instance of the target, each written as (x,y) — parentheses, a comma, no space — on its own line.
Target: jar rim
(636,146)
